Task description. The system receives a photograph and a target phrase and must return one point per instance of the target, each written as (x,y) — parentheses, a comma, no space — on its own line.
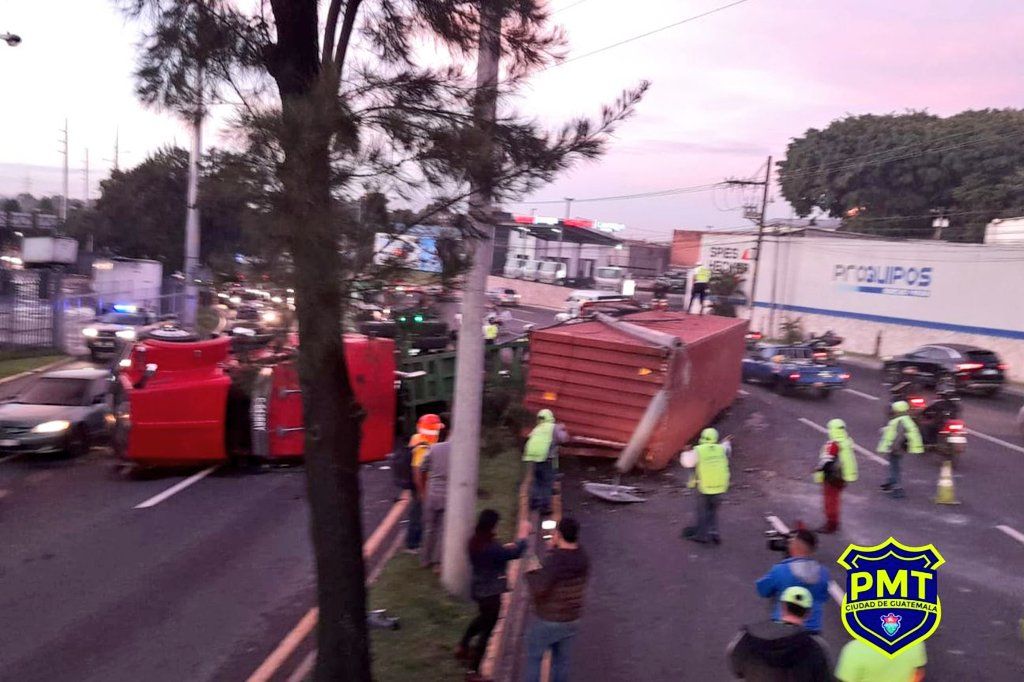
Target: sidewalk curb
(39,370)
(273,663)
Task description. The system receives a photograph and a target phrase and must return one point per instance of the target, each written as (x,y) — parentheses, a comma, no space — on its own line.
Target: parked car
(672,281)
(503,296)
(551,272)
(792,368)
(65,411)
(950,365)
(610,278)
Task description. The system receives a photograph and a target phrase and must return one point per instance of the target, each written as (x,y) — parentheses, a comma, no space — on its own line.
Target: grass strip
(432,622)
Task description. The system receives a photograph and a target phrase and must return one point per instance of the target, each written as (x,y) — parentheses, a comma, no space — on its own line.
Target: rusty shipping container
(639,387)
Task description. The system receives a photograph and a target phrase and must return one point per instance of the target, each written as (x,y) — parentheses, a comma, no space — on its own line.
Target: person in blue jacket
(799,569)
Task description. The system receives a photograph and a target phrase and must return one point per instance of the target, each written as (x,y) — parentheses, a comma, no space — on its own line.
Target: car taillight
(844,376)
(917,402)
(820,355)
(794,376)
(967,366)
(955,426)
(1003,366)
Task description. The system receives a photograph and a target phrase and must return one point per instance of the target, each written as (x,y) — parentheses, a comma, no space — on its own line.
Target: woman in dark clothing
(489,560)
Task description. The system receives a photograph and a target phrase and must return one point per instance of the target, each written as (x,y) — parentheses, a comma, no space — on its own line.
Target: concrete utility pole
(469,360)
(86,180)
(64,198)
(561,230)
(766,184)
(192,212)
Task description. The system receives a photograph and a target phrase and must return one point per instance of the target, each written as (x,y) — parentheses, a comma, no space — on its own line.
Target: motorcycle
(824,347)
(942,429)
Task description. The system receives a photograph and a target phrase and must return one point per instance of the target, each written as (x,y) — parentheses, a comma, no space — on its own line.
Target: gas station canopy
(573,230)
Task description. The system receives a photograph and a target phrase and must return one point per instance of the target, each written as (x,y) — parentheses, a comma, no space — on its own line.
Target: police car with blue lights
(109,333)
(788,369)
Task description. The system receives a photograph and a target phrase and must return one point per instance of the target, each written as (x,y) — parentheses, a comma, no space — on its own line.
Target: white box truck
(49,250)
(128,280)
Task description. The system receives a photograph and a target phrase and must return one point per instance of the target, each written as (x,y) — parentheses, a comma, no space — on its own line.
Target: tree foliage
(141,211)
(889,174)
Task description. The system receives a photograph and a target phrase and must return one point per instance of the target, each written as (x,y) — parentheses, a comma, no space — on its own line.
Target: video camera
(777,541)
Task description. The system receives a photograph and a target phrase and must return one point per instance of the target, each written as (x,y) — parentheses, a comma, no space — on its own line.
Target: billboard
(415,251)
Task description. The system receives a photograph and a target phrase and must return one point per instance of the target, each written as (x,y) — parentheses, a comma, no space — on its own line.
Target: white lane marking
(866,396)
(8,458)
(177,488)
(1013,533)
(859,448)
(997,441)
(834,590)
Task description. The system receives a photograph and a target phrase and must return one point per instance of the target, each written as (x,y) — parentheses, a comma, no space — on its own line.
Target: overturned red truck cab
(196,402)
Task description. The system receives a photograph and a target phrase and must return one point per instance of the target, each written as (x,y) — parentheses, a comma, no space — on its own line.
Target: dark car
(65,411)
(673,281)
(952,365)
(792,368)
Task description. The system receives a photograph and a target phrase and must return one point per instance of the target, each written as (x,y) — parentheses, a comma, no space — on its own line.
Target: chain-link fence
(44,309)
(26,309)
(75,313)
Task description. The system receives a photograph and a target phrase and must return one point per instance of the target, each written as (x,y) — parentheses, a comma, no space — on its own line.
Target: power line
(622,197)
(644,35)
(568,7)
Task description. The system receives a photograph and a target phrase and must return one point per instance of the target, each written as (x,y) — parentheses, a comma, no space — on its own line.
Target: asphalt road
(199,586)
(661,608)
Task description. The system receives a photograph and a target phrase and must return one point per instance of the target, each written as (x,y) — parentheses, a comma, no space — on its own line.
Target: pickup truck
(788,369)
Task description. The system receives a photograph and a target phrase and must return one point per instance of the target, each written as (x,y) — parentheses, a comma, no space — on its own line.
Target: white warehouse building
(883,296)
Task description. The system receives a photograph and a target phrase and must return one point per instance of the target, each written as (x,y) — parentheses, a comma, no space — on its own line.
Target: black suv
(952,365)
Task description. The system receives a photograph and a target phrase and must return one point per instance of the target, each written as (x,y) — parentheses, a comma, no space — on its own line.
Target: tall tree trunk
(329,409)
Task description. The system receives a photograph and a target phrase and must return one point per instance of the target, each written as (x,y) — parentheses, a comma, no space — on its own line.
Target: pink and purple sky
(728,90)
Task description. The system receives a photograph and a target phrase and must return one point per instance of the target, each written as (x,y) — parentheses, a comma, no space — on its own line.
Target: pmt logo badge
(892,594)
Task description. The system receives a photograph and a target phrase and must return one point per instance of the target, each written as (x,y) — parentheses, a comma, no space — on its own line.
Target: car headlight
(270,316)
(55,426)
(235,299)
(126,334)
(90,332)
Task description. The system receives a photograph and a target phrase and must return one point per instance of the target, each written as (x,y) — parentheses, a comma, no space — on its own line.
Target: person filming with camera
(798,569)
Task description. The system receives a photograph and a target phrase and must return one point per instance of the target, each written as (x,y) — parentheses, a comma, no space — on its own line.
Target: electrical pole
(117,149)
(192,208)
(464,464)
(765,184)
(64,198)
(561,230)
(86,183)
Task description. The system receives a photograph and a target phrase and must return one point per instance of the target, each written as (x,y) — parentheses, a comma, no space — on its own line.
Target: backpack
(401,466)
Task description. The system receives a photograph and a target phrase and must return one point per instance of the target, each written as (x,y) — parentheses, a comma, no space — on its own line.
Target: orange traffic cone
(944,494)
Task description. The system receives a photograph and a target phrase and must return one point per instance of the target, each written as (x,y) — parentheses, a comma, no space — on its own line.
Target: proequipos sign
(892,280)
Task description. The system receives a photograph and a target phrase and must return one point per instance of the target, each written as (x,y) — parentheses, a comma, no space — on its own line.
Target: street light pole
(464,464)
(192,210)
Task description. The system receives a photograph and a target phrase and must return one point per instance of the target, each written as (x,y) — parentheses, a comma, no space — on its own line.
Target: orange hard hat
(429,425)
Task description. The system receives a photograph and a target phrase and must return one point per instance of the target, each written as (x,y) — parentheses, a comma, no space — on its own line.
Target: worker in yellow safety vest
(701,282)
(490,332)
(710,463)
(893,446)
